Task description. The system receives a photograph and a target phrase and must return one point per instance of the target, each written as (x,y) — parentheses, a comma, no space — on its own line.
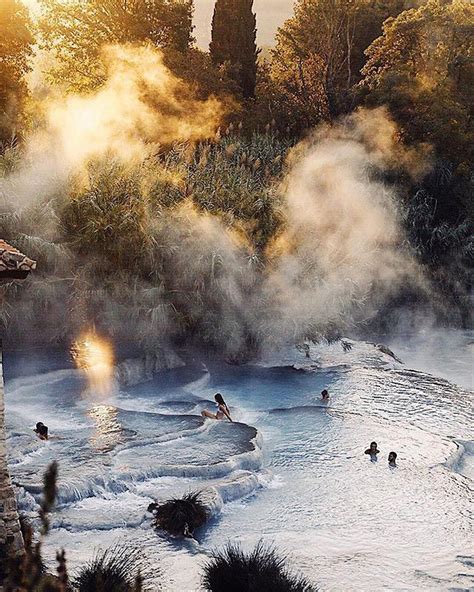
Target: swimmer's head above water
(324,395)
(373,449)
(392,459)
(41,430)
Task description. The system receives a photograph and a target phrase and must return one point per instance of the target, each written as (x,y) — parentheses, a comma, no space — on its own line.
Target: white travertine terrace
(11,540)
(13,265)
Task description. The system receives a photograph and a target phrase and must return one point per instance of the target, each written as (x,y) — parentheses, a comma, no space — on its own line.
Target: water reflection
(109,430)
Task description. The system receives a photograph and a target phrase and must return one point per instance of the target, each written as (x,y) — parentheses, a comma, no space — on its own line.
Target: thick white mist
(342,252)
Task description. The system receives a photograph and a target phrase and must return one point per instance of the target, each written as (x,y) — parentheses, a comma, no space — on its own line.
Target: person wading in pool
(41,431)
(221,411)
(373,450)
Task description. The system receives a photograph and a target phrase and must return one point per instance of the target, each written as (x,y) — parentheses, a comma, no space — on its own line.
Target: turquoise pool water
(290,471)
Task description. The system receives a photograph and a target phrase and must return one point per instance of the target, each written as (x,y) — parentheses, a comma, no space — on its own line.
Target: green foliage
(108,218)
(421,67)
(235,179)
(234,42)
(197,68)
(16,43)
(319,53)
(77,30)
(137,250)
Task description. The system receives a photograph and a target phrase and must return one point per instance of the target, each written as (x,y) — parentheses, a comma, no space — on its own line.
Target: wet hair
(41,429)
(392,454)
(219,399)
(324,393)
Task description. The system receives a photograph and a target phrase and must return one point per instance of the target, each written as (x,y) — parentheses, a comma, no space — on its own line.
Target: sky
(270,15)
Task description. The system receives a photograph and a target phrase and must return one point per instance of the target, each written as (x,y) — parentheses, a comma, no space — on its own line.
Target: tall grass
(138,251)
(175,248)
(181,516)
(113,570)
(232,570)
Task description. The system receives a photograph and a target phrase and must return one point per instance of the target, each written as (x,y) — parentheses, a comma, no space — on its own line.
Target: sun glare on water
(94,355)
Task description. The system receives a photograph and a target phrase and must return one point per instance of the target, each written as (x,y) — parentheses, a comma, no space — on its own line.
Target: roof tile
(12,259)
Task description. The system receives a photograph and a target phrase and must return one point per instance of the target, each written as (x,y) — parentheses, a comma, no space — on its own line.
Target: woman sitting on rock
(221,411)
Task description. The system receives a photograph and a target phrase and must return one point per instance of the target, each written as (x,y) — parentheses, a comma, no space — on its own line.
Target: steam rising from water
(342,252)
(140,106)
(340,255)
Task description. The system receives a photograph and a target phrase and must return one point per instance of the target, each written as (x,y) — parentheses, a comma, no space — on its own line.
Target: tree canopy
(16,43)
(77,30)
(320,51)
(422,68)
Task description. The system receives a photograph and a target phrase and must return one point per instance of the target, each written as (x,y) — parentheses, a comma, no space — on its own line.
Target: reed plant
(136,250)
(233,570)
(174,249)
(180,517)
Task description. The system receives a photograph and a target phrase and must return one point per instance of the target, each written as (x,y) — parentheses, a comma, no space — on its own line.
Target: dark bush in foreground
(182,516)
(231,570)
(113,570)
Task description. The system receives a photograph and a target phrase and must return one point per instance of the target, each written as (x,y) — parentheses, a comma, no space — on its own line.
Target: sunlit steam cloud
(340,256)
(95,357)
(141,105)
(342,253)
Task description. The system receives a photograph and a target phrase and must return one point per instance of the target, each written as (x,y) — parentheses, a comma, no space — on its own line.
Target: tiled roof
(13,262)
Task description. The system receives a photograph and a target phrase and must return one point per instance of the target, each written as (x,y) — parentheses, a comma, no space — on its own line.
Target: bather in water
(392,459)
(373,450)
(221,411)
(324,395)
(41,431)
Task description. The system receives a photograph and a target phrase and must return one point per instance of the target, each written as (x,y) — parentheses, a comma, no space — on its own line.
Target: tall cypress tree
(234,40)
